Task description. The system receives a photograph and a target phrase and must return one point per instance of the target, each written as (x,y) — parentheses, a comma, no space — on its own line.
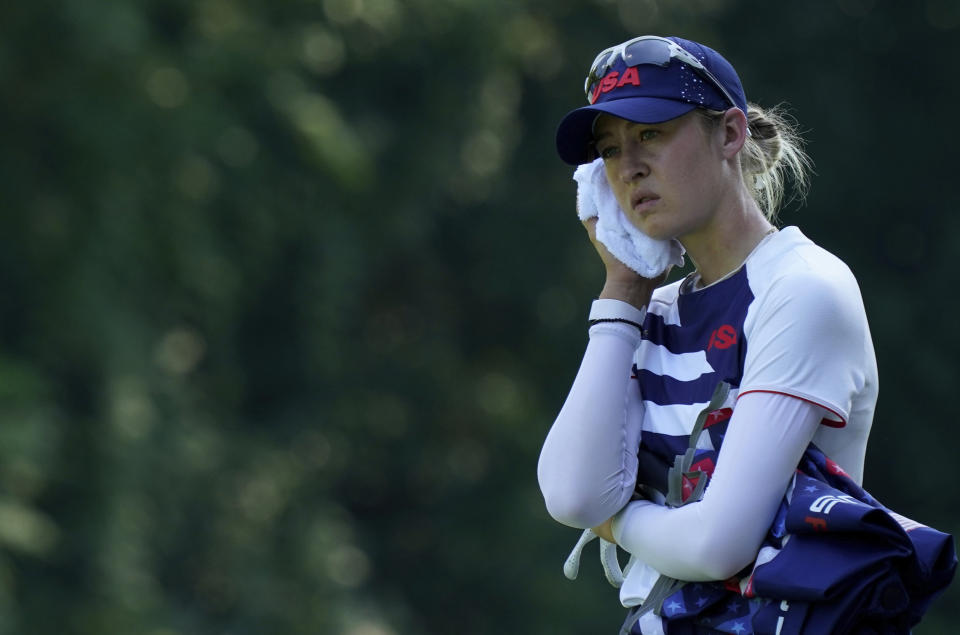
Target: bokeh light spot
(348,566)
(180,351)
(482,153)
(168,87)
(323,51)
(343,11)
(196,178)
(498,394)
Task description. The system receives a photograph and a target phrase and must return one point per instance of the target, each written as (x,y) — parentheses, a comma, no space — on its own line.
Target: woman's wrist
(636,294)
(614,316)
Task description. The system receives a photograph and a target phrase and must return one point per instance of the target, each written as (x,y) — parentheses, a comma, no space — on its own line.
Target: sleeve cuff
(619,521)
(616,309)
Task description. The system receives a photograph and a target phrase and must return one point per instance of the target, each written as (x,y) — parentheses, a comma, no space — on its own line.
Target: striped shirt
(790,320)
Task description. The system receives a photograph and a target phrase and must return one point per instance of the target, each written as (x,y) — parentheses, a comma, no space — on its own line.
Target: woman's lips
(644,202)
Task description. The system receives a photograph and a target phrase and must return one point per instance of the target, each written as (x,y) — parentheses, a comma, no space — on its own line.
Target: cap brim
(575,132)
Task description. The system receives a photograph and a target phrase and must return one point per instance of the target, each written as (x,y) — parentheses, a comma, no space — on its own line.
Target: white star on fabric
(737,627)
(674,606)
(810,488)
(701,602)
(733,606)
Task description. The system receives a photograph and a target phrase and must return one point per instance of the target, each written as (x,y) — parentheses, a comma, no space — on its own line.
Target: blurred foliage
(292,291)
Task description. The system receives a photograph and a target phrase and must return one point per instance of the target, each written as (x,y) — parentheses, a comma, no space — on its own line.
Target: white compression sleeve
(588,464)
(716,537)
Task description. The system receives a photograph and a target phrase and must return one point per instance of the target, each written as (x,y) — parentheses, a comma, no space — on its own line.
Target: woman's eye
(647,135)
(608,153)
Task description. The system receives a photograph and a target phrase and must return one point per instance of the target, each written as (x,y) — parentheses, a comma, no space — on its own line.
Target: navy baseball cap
(649,80)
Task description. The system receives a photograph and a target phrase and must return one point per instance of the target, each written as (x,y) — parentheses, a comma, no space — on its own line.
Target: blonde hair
(772,157)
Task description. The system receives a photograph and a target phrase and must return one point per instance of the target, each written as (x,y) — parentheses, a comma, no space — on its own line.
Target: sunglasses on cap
(647,49)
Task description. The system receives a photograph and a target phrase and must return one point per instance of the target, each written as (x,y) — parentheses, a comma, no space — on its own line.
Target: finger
(591,226)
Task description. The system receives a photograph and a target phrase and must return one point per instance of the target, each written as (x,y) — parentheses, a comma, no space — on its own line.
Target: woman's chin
(652,228)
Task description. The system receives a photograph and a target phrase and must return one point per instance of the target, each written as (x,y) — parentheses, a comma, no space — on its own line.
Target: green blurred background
(290,293)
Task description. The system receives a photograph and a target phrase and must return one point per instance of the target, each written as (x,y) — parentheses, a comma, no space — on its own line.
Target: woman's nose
(633,165)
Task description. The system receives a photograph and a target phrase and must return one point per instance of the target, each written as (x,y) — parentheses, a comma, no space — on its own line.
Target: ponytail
(772,157)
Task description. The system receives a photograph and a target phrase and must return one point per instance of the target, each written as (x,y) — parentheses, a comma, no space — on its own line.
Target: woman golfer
(714,420)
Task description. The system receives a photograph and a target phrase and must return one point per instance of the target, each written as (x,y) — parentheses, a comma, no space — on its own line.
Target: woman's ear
(734,127)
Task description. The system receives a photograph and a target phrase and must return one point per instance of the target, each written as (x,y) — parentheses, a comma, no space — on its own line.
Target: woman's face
(667,177)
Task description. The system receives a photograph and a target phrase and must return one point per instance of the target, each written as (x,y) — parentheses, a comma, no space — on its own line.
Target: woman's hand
(605,530)
(623,283)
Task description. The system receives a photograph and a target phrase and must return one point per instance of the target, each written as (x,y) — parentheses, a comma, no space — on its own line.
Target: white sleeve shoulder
(808,337)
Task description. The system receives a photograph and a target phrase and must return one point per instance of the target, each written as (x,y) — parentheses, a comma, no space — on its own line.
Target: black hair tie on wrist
(622,320)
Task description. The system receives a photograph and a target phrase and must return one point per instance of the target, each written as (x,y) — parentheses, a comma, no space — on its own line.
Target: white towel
(629,245)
